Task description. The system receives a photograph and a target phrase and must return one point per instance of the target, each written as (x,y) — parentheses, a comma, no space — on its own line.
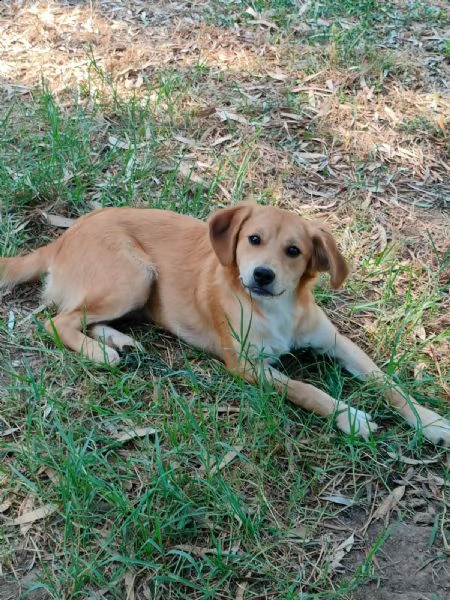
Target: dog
(239,286)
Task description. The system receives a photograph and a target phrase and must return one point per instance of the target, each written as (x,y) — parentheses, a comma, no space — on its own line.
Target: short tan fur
(249,268)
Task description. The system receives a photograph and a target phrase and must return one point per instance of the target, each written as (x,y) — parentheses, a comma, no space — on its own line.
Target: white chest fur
(272,332)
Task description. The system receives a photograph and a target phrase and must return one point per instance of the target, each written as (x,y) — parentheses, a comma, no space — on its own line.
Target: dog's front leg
(348,419)
(328,340)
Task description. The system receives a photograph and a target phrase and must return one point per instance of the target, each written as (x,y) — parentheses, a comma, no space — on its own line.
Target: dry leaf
(9,431)
(187,171)
(26,508)
(339,500)
(35,515)
(379,237)
(221,140)
(391,114)
(240,591)
(114,142)
(419,333)
(51,474)
(265,22)
(318,193)
(187,141)
(251,11)
(130,577)
(425,518)
(307,157)
(277,75)
(226,115)
(299,532)
(195,550)
(94,204)
(5,505)
(419,368)
(229,456)
(137,432)
(293,116)
(56,220)
(341,551)
(389,503)
(413,461)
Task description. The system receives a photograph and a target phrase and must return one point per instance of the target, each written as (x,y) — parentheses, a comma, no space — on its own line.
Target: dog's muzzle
(262,283)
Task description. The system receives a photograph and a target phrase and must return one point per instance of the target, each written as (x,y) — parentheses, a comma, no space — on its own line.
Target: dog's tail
(19,269)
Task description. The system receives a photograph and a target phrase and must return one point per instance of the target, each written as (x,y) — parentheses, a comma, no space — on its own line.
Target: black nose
(263,276)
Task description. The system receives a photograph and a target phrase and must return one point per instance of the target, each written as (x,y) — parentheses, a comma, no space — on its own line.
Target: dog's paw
(434,428)
(112,356)
(103,355)
(123,343)
(357,422)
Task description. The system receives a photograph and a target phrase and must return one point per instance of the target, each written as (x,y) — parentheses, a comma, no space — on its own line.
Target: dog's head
(272,249)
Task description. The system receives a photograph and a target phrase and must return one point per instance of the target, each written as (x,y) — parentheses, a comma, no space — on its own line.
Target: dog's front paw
(434,427)
(358,422)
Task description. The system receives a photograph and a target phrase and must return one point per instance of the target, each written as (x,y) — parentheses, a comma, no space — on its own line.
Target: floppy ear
(326,257)
(224,227)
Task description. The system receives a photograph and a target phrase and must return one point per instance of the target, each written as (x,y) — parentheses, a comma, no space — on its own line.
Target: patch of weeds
(354,30)
(446,48)
(421,125)
(415,10)
(280,13)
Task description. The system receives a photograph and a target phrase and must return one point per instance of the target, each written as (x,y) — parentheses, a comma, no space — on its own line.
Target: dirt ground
(407,567)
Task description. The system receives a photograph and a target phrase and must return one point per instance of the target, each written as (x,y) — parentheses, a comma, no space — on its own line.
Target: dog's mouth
(255,290)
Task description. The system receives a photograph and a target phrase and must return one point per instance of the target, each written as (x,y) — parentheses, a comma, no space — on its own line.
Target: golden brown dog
(239,287)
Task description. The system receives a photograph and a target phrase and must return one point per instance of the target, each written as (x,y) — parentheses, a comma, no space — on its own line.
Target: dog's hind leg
(105,298)
(67,328)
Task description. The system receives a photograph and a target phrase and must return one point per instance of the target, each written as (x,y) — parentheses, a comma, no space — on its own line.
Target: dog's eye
(254,240)
(293,251)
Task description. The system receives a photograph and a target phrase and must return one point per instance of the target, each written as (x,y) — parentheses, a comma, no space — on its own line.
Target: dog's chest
(273,332)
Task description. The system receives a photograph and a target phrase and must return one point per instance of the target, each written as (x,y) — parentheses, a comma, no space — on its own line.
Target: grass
(167,477)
